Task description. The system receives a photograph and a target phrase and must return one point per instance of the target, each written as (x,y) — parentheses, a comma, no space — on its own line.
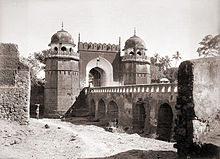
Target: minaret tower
(62,75)
(136,65)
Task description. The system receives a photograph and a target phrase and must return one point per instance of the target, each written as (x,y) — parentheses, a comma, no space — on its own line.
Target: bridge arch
(99,72)
(139,115)
(165,122)
(112,110)
(92,108)
(101,109)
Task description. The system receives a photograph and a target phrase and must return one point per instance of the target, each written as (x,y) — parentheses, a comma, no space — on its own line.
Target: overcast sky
(165,25)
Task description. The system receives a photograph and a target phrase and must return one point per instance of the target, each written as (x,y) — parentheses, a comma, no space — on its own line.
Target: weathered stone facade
(139,107)
(14,85)
(94,65)
(198,104)
(116,86)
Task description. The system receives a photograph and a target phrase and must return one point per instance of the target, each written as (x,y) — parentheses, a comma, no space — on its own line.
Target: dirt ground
(65,140)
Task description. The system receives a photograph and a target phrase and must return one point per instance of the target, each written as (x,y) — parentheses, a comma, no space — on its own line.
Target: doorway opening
(92,109)
(112,111)
(165,120)
(96,77)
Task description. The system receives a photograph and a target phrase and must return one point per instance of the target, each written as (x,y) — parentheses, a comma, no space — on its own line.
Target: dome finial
(119,43)
(62,25)
(135,31)
(79,38)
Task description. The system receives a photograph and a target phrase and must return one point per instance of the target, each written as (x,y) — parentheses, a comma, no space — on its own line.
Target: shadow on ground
(141,154)
(85,121)
(205,151)
(99,123)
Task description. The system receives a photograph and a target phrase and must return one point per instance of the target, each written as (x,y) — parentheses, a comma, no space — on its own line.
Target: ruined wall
(14,85)
(129,99)
(198,104)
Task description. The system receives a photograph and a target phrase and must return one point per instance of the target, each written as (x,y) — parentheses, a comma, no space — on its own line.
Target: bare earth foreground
(64,140)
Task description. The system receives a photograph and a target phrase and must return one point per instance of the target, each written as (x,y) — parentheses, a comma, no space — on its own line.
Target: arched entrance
(101,109)
(99,72)
(92,108)
(165,120)
(112,111)
(96,77)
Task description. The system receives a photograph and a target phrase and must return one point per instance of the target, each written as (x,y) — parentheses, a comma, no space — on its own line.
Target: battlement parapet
(152,88)
(98,47)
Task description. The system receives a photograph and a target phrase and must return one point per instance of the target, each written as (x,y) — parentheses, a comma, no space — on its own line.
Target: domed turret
(61,37)
(135,63)
(135,42)
(61,75)
(62,43)
(135,49)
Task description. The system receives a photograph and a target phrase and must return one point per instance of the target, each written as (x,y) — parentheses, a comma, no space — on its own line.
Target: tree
(36,63)
(156,74)
(161,67)
(155,59)
(171,74)
(209,46)
(165,62)
(35,69)
(176,57)
(40,56)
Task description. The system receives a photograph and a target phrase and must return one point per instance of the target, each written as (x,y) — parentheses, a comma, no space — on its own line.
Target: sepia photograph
(109,79)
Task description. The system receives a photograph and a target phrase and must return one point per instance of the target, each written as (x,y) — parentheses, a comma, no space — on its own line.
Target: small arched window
(63,48)
(131,53)
(139,53)
(56,49)
(70,49)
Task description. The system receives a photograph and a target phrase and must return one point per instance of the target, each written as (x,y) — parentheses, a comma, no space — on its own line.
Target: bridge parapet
(152,88)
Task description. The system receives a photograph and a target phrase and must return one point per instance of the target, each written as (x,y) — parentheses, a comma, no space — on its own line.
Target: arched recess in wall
(92,108)
(165,121)
(102,66)
(141,115)
(101,109)
(112,111)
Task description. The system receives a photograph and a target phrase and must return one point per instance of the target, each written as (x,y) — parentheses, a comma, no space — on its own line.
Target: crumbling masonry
(198,104)
(14,85)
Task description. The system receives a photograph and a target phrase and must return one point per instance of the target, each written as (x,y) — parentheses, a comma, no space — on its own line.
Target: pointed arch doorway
(96,77)
(99,72)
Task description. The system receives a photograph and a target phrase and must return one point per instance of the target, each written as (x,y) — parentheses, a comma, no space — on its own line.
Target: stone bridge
(146,108)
